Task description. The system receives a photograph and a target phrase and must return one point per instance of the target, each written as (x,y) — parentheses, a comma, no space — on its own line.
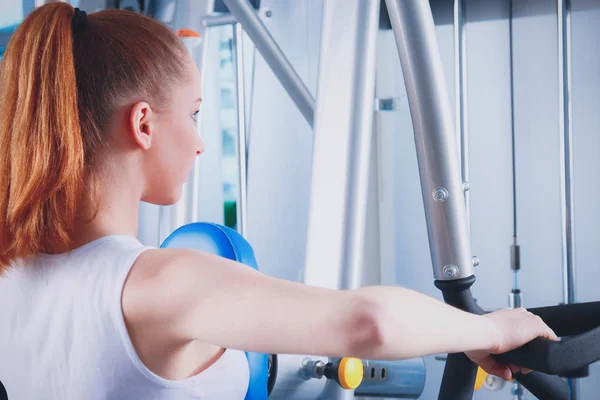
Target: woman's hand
(513,329)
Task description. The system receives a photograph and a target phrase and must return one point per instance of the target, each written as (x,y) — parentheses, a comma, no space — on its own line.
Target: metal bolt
(312,368)
(440,195)
(451,271)
(493,383)
(475,261)
(269,13)
(466,186)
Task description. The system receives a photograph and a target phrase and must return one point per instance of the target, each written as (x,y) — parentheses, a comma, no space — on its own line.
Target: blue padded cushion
(227,243)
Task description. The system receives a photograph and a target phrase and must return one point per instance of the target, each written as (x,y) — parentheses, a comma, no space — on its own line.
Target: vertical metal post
(238,62)
(566,147)
(512,124)
(515,298)
(460,79)
(566,158)
(274,57)
(435,137)
(341,149)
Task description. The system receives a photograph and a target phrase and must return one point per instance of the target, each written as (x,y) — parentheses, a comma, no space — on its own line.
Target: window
(228,117)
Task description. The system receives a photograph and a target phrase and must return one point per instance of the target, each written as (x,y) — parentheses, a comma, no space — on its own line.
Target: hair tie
(79,21)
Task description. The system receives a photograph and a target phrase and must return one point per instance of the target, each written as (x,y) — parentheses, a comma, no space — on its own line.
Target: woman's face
(176,142)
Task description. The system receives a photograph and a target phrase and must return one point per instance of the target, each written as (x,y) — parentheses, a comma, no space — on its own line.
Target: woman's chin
(164,199)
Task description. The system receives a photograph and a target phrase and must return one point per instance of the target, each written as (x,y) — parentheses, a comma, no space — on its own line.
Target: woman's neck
(115,211)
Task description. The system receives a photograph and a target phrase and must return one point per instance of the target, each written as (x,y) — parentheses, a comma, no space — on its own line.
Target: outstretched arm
(196,295)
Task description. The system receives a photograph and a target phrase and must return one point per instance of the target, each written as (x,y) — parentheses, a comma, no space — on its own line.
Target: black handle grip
(556,358)
(458,381)
(547,357)
(545,387)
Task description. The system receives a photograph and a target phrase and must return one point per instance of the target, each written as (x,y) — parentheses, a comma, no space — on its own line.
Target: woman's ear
(140,127)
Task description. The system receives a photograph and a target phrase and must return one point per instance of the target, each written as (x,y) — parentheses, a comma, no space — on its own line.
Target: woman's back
(63,335)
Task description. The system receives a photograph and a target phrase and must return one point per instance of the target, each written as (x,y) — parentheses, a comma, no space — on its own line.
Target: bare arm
(200,296)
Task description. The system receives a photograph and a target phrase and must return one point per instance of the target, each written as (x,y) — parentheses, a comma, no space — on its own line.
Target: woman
(99,113)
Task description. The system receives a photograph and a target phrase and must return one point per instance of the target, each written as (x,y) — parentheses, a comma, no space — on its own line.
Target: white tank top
(63,335)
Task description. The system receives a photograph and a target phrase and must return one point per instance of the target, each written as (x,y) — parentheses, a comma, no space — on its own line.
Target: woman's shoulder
(154,279)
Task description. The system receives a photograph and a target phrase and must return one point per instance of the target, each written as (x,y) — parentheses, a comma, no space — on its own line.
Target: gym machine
(338,233)
(442,190)
(346,88)
(283,376)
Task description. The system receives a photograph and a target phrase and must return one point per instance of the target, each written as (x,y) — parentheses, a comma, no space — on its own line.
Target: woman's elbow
(364,328)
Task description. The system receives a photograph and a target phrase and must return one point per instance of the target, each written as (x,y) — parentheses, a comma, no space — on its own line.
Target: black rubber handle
(545,387)
(459,378)
(570,319)
(556,358)
(547,357)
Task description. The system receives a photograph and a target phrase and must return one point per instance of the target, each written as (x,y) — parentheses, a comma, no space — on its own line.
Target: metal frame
(437,151)
(218,20)
(566,147)
(515,297)
(341,149)
(563,8)
(445,211)
(274,56)
(244,17)
(242,149)
(343,133)
(341,167)
(342,143)
(460,79)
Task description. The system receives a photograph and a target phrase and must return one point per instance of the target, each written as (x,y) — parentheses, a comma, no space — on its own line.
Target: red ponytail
(58,92)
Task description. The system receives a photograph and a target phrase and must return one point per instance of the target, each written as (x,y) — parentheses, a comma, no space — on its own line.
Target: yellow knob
(480,379)
(350,373)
